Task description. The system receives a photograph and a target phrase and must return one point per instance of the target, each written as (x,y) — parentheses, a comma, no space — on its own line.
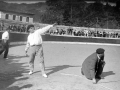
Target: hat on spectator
(100,51)
(29,26)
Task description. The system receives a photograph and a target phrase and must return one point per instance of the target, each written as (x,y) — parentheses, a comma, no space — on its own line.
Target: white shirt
(35,38)
(5,35)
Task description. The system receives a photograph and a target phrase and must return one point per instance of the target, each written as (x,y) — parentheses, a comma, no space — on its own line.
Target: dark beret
(100,51)
(29,26)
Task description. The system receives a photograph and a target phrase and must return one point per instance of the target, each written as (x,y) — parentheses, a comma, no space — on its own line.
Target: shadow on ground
(20,88)
(15,45)
(54,69)
(11,71)
(105,74)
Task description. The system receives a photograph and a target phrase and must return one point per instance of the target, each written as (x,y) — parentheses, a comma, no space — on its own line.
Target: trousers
(37,49)
(99,68)
(4,47)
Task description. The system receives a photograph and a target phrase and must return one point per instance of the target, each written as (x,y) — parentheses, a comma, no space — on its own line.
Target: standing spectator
(86,32)
(5,43)
(2,25)
(70,31)
(10,27)
(56,31)
(93,65)
(104,34)
(75,32)
(34,41)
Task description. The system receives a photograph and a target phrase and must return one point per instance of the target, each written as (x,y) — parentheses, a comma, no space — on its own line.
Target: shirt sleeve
(5,35)
(44,29)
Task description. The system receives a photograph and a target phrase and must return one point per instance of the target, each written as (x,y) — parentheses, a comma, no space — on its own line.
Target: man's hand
(26,49)
(54,24)
(94,81)
(26,54)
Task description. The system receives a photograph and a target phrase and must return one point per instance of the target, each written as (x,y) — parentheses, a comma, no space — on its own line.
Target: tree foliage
(72,12)
(81,13)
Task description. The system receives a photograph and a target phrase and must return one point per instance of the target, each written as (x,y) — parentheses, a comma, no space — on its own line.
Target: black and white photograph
(59,44)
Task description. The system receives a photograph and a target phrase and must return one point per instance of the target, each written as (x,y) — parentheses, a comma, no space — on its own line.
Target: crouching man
(93,65)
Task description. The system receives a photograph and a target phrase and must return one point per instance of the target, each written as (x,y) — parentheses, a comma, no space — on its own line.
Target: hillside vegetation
(77,13)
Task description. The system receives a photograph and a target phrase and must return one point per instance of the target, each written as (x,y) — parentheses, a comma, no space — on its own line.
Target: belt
(35,45)
(5,39)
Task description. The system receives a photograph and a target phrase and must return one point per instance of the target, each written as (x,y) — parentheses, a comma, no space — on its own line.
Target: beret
(100,51)
(29,26)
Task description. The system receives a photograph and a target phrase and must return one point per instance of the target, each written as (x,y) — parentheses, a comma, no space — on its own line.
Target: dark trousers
(99,68)
(4,47)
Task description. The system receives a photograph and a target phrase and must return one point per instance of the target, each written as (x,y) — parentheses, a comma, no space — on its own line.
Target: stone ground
(63,65)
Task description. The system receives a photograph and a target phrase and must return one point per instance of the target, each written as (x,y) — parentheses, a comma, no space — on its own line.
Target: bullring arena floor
(63,64)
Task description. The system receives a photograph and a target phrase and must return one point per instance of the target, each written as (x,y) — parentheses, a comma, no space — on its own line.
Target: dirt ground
(63,67)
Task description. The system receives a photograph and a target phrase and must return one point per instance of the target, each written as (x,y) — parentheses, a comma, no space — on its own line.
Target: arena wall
(19,38)
(79,39)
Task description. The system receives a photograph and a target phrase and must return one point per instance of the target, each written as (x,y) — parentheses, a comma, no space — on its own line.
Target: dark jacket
(89,66)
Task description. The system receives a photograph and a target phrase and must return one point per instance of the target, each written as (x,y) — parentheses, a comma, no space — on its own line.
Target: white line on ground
(71,75)
(59,42)
(83,77)
(105,87)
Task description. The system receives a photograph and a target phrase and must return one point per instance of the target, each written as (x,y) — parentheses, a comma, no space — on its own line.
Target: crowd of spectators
(14,27)
(67,31)
(85,33)
(17,28)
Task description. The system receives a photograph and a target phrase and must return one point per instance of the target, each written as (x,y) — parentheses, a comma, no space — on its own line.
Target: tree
(118,5)
(67,8)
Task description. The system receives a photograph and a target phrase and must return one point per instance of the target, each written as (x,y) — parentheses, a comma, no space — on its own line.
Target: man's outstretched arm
(45,29)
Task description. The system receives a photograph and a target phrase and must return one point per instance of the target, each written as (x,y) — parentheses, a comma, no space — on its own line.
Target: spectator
(5,43)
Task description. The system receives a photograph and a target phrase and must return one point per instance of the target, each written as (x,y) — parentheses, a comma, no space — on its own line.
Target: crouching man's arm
(92,70)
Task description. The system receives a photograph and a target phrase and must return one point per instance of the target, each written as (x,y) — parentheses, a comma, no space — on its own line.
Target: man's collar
(98,56)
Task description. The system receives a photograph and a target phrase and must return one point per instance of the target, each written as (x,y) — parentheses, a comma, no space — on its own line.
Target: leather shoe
(98,77)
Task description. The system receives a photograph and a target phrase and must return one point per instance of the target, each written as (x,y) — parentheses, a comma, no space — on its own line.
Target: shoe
(44,75)
(31,72)
(94,81)
(98,77)
(82,73)
(5,58)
